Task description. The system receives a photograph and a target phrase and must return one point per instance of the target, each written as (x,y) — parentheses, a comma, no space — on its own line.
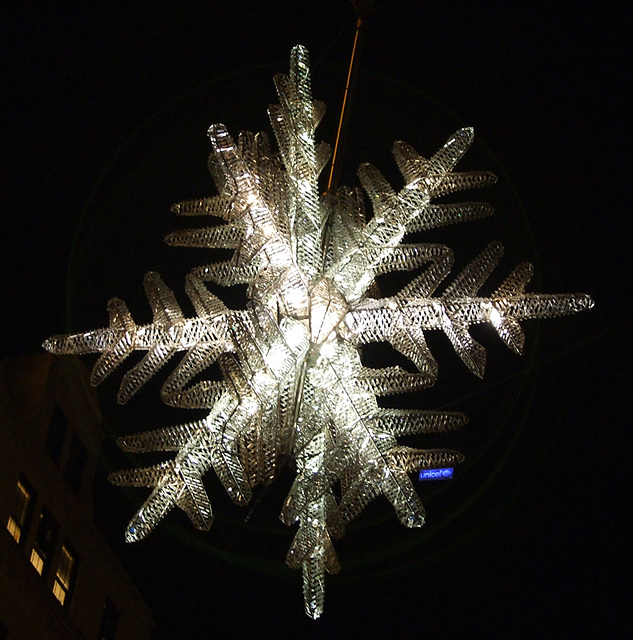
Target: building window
(109,621)
(42,552)
(75,463)
(20,516)
(65,575)
(37,560)
(56,435)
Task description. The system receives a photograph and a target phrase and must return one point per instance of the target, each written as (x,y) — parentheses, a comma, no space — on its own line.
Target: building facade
(58,577)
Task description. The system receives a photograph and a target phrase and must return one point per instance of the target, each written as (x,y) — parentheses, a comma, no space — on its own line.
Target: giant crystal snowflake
(294,386)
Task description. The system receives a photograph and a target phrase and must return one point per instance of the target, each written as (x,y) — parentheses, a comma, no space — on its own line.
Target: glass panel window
(37,560)
(109,621)
(21,513)
(65,575)
(14,529)
(42,553)
(75,463)
(59,592)
(56,435)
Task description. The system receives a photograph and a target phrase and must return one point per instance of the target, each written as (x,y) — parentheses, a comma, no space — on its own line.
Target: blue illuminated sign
(436,474)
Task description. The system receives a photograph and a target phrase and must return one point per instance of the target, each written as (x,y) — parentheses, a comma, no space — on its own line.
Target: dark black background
(107,108)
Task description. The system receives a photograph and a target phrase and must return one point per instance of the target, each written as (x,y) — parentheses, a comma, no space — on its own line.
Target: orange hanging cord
(346,99)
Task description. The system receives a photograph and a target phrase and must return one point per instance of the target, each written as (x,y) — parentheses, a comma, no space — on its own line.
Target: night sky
(108,111)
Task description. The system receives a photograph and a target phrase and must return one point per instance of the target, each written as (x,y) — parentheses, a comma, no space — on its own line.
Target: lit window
(21,512)
(14,528)
(45,539)
(65,574)
(37,560)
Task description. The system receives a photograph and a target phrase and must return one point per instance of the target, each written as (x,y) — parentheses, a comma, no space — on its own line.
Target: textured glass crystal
(293,383)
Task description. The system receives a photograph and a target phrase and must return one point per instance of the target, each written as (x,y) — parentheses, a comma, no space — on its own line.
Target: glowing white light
(296,334)
(328,349)
(495,317)
(276,357)
(294,386)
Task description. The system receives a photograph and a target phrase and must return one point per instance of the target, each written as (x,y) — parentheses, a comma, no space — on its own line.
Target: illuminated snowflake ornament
(293,383)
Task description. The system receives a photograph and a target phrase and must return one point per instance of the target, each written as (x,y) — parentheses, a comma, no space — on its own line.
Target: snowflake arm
(398,319)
